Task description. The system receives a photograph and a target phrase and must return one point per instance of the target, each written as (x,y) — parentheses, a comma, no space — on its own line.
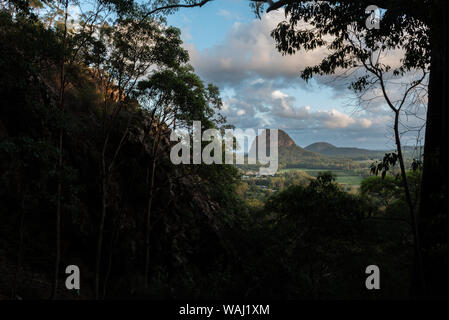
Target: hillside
(330,150)
(82,175)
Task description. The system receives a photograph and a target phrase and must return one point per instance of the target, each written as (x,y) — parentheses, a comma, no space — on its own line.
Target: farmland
(348,179)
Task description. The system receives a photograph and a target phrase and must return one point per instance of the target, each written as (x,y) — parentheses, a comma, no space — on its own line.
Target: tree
(381,76)
(419,30)
(382,190)
(62,84)
(132,46)
(434,199)
(313,230)
(71,41)
(174,97)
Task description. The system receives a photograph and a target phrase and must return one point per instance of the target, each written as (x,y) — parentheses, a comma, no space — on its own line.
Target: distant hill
(320,155)
(320,146)
(293,156)
(330,150)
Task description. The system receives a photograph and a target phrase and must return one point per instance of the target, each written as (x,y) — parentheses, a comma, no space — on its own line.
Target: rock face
(284,140)
(287,149)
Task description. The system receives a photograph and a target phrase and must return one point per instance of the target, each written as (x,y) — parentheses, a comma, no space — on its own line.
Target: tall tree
(132,46)
(434,201)
(419,28)
(62,84)
(174,97)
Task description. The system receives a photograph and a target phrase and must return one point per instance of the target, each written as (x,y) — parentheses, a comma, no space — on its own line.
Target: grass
(350,180)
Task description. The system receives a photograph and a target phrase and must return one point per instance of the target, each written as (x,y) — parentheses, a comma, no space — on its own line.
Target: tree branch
(175,6)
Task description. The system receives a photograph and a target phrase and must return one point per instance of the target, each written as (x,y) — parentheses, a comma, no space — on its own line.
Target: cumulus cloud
(256,77)
(334,119)
(249,51)
(282,110)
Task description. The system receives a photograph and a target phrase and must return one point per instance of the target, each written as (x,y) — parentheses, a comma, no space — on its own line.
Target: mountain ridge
(353,153)
(291,155)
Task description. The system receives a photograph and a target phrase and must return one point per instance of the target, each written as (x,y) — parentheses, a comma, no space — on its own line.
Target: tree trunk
(148,224)
(20,250)
(150,202)
(418,263)
(60,163)
(434,209)
(102,221)
(109,263)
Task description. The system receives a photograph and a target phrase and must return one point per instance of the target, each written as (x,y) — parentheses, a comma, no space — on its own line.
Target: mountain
(284,140)
(320,147)
(292,156)
(330,150)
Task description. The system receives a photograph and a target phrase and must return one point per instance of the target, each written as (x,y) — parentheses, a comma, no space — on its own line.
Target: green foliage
(334,23)
(315,238)
(179,96)
(388,162)
(380,189)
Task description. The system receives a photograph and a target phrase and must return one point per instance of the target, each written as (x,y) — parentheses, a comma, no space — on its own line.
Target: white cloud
(248,51)
(277,94)
(334,119)
(365,123)
(224,13)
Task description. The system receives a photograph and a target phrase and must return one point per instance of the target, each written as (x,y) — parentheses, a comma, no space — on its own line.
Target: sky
(260,88)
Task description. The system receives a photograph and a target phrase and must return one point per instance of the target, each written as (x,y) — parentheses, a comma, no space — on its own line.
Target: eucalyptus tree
(175,97)
(73,30)
(419,29)
(131,47)
(62,85)
(74,41)
(368,71)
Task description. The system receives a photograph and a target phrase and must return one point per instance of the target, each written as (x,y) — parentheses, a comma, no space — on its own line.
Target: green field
(346,178)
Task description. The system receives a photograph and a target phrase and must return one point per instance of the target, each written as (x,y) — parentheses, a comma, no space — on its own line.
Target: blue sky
(233,49)
(207,25)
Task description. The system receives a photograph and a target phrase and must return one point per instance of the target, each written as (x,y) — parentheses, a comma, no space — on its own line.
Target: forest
(89,98)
